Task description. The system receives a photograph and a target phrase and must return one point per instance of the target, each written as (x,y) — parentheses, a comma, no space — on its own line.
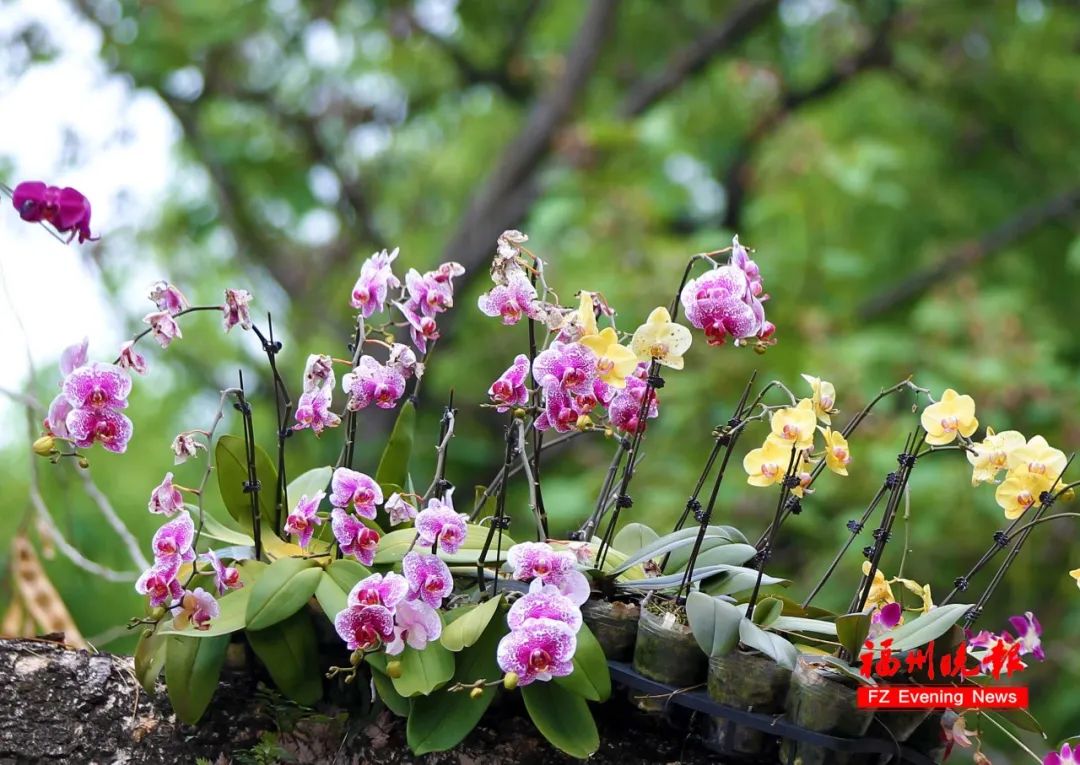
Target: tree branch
(971,253)
(688,61)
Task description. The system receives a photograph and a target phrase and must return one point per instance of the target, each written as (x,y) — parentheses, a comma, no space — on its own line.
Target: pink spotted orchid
(168,298)
(107,426)
(74,356)
(509,390)
(544,601)
(197,607)
(166,499)
(160,584)
(428,576)
(353,537)
(94,392)
(570,367)
(429,294)
(318,372)
(512,300)
(626,405)
(172,542)
(539,560)
(540,649)
(402,359)
(67,209)
(313,411)
(376,279)
(304,518)
(422,329)
(439,524)
(416,624)
(559,413)
(363,628)
(399,510)
(225,577)
(132,359)
(97,386)
(163,327)
(386,590)
(236,310)
(350,487)
(722,304)
(373,383)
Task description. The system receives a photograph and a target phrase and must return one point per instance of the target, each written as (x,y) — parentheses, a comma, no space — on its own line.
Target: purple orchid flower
(559,413)
(721,303)
(399,510)
(429,578)
(626,405)
(73,357)
(1028,631)
(538,560)
(440,524)
(111,428)
(197,607)
(304,518)
(386,590)
(168,298)
(159,582)
(429,295)
(166,499)
(415,623)
(540,649)
(66,209)
(132,359)
(313,411)
(172,542)
(509,390)
(376,279)
(371,382)
(225,577)
(544,601)
(97,386)
(570,367)
(512,300)
(350,487)
(163,327)
(365,627)
(1067,756)
(236,310)
(353,537)
(422,329)
(56,419)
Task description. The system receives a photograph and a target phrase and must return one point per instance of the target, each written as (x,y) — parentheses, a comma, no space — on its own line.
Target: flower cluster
(313,408)
(728,301)
(65,208)
(440,527)
(791,442)
(352,489)
(87,410)
(545,622)
(396,610)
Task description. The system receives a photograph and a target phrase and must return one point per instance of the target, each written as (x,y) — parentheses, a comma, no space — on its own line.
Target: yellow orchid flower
(824,397)
(587,316)
(1075,574)
(992,454)
(922,590)
(661,339)
(837,456)
(795,425)
(614,362)
(881,593)
(1039,458)
(766,465)
(1019,491)
(953,414)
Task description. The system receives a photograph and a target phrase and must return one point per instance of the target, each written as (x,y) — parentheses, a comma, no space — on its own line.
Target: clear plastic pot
(615,625)
(823,701)
(666,651)
(752,682)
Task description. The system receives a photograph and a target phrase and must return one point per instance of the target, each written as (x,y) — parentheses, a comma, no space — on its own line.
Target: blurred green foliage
(852,144)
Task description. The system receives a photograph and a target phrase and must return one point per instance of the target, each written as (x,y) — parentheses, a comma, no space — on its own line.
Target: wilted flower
(1028,631)
(881,593)
(509,390)
(304,518)
(318,372)
(614,362)
(415,623)
(376,279)
(197,607)
(172,542)
(225,577)
(955,730)
(111,428)
(440,524)
(509,243)
(364,627)
(570,367)
(824,398)
(371,382)
(132,359)
(952,415)
(794,426)
(539,650)
(350,487)
(313,411)
(379,590)
(1066,756)
(402,360)
(66,209)
(353,537)
(544,601)
(837,456)
(236,309)
(660,339)
(168,298)
(97,386)
(767,464)
(721,303)
(399,510)
(511,300)
(428,576)
(163,326)
(166,499)
(160,584)
(184,446)
(991,455)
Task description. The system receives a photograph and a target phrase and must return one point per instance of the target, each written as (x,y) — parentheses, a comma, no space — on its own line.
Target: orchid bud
(158,613)
(510,681)
(84,463)
(519,413)
(393,669)
(476,693)
(44,446)
(356,658)
(584,422)
(147,633)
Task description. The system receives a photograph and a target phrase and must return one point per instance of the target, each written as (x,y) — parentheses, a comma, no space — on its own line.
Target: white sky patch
(69,122)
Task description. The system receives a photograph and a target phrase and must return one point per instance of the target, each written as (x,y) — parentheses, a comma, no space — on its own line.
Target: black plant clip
(791,481)
(1001,539)
(793,505)
(854,526)
(501,522)
(242,406)
(655,381)
(891,480)
(623,501)
(868,552)
(250,486)
(906,460)
(961,583)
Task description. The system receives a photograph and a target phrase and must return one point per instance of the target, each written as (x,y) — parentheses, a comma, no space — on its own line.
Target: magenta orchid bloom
(415,623)
(721,303)
(197,607)
(447,272)
(539,560)
(371,382)
(544,601)
(304,518)
(166,499)
(439,524)
(364,628)
(1067,756)
(539,650)
(386,590)
(111,428)
(428,576)
(73,357)
(422,329)
(376,279)
(318,373)
(313,411)
(740,258)
(237,309)
(509,390)
(512,300)
(350,487)
(402,359)
(163,327)
(626,405)
(601,393)
(225,577)
(885,618)
(172,542)
(1028,631)
(168,298)
(559,413)
(159,582)
(184,447)
(430,294)
(399,510)
(570,367)
(97,386)
(353,537)
(66,209)
(132,359)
